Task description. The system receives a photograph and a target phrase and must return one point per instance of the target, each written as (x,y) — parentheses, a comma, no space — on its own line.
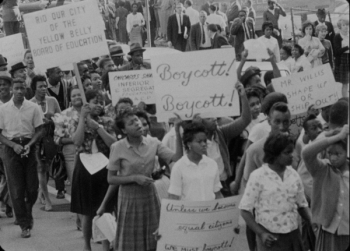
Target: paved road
(56,230)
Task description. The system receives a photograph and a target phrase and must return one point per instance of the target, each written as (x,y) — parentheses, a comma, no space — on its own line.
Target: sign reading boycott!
(137,85)
(196,82)
(198,226)
(65,34)
(314,87)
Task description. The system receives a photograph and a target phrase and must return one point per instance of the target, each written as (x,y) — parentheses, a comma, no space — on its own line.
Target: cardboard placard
(12,48)
(66,34)
(314,87)
(137,85)
(196,82)
(207,225)
(256,49)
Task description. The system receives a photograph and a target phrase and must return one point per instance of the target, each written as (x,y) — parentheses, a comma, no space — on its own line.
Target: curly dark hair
(190,130)
(35,80)
(275,145)
(122,115)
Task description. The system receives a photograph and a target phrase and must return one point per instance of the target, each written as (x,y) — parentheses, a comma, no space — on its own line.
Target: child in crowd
(276,193)
(195,177)
(330,195)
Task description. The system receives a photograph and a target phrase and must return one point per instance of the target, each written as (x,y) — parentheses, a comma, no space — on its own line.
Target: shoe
(9,212)
(25,233)
(48,207)
(31,225)
(60,195)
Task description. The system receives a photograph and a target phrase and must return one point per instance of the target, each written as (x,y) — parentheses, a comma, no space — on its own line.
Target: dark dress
(122,13)
(88,191)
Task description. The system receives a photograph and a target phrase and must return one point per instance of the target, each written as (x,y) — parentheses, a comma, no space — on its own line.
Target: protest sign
(256,49)
(205,225)
(12,48)
(66,34)
(137,85)
(196,82)
(313,87)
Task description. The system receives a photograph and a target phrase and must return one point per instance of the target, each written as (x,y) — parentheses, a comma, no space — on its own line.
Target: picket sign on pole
(80,84)
(292,16)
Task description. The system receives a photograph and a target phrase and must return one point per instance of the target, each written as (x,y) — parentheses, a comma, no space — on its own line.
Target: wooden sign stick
(80,84)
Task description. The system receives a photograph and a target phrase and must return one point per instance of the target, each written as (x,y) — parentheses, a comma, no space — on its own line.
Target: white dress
(314,48)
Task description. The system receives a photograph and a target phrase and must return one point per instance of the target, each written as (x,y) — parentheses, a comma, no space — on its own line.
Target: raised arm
(236,26)
(241,64)
(78,136)
(311,151)
(273,60)
(236,127)
(107,138)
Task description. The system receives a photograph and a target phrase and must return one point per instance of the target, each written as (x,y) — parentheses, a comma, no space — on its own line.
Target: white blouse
(132,20)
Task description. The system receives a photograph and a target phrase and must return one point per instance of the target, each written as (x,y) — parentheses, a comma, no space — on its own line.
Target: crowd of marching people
(295,187)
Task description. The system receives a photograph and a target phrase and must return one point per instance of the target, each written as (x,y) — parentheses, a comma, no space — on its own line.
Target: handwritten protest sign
(196,82)
(66,34)
(256,49)
(137,85)
(207,225)
(12,48)
(316,86)
(307,5)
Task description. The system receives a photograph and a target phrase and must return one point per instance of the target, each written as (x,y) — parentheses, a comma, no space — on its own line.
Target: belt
(20,139)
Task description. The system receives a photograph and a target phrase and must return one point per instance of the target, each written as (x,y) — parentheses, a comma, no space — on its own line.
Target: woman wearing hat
(134,25)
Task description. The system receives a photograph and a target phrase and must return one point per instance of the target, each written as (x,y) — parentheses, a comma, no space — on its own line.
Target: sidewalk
(56,230)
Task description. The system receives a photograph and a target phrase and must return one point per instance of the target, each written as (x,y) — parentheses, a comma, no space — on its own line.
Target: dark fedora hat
(3,60)
(135,47)
(116,51)
(16,67)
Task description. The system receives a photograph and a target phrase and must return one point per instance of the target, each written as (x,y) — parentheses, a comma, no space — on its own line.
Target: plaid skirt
(342,70)
(137,218)
(331,242)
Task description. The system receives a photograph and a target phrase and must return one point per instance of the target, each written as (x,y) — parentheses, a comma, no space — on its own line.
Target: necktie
(203,35)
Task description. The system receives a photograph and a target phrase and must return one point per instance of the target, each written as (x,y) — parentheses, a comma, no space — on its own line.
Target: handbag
(58,167)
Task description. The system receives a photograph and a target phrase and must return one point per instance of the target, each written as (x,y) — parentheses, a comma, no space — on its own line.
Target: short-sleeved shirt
(259,131)
(20,122)
(275,201)
(130,161)
(255,157)
(195,182)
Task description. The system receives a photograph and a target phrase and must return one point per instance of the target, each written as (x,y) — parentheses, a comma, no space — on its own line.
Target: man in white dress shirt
(214,18)
(191,13)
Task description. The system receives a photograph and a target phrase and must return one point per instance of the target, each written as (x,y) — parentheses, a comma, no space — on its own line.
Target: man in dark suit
(243,28)
(321,16)
(200,39)
(216,40)
(179,28)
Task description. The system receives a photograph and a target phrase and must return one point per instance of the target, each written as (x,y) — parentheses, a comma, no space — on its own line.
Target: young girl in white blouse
(195,177)
(276,192)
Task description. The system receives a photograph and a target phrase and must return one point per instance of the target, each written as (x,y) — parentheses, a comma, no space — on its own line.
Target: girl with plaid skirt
(131,163)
